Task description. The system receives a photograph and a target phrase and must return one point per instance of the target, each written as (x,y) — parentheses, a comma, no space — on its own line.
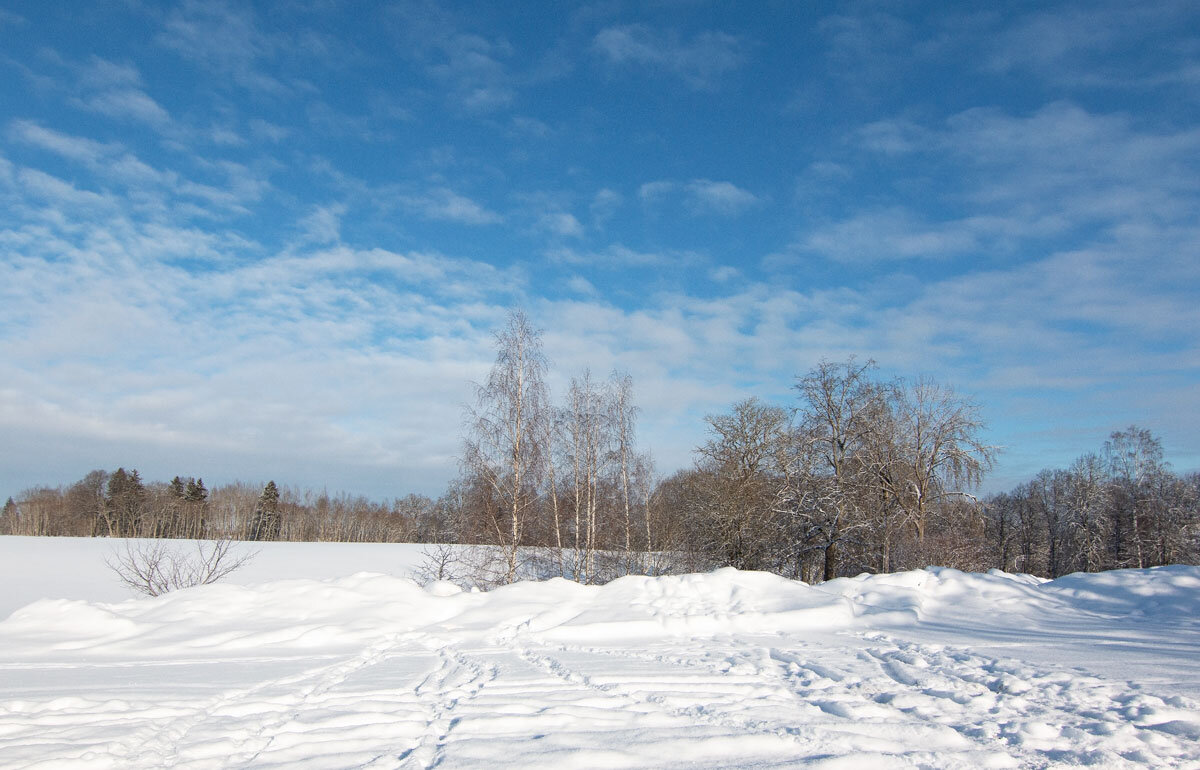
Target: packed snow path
(928,669)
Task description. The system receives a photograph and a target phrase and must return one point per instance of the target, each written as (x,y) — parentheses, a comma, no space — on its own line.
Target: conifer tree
(267,522)
(196,492)
(8,518)
(123,503)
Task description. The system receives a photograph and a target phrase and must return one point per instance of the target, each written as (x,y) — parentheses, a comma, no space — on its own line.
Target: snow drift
(933,668)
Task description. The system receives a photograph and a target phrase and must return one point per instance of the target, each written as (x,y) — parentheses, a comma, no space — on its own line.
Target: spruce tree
(267,521)
(8,519)
(196,493)
(123,503)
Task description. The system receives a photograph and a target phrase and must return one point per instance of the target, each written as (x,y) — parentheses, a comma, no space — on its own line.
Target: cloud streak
(700,62)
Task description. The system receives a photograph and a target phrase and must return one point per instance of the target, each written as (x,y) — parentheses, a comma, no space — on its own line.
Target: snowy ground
(923,669)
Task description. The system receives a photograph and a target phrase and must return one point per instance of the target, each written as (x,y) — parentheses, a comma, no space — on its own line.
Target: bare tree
(505,446)
(588,440)
(940,441)
(802,499)
(154,567)
(1087,494)
(840,408)
(623,419)
(1134,457)
(741,462)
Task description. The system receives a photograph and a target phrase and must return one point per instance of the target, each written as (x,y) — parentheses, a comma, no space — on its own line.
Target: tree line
(1119,507)
(121,504)
(858,474)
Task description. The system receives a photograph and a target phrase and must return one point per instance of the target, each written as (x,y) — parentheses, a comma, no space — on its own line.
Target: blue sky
(271,240)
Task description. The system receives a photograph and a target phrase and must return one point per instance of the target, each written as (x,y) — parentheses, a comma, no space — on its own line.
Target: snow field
(933,668)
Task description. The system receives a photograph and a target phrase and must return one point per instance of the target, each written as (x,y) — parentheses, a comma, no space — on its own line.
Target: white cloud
(269,131)
(445,204)
(700,196)
(111,163)
(580,285)
(561,223)
(604,205)
(471,69)
(75,148)
(895,137)
(323,225)
(891,234)
(99,74)
(699,62)
(652,192)
(312,362)
(523,125)
(223,38)
(869,47)
(332,362)
(57,191)
(1105,45)
(618,256)
(128,104)
(724,198)
(1023,178)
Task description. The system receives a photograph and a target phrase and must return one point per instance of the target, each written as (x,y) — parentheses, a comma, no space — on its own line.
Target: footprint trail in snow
(726,669)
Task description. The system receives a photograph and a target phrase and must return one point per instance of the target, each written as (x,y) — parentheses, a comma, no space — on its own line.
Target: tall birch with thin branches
(586,424)
(624,420)
(506,435)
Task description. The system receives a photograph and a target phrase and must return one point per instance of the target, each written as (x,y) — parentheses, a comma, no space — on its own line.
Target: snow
(328,655)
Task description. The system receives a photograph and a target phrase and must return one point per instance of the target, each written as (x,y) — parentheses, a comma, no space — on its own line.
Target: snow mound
(1161,593)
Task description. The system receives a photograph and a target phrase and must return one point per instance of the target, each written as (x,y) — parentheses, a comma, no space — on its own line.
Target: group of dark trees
(858,474)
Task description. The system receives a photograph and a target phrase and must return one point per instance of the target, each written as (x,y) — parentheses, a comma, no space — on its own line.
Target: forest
(859,474)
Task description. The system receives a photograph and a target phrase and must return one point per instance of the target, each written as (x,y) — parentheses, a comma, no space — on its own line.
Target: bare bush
(438,562)
(154,567)
(480,567)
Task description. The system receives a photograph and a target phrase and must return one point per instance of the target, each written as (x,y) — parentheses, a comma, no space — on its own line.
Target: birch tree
(588,438)
(505,445)
(623,419)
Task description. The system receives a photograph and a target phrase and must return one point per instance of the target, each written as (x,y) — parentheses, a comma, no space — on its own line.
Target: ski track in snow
(551,673)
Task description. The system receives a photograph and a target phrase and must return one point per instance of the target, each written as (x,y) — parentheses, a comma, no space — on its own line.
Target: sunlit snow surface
(935,668)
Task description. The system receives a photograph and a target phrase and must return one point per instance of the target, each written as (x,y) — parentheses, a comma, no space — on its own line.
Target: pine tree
(123,503)
(196,492)
(8,518)
(267,521)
